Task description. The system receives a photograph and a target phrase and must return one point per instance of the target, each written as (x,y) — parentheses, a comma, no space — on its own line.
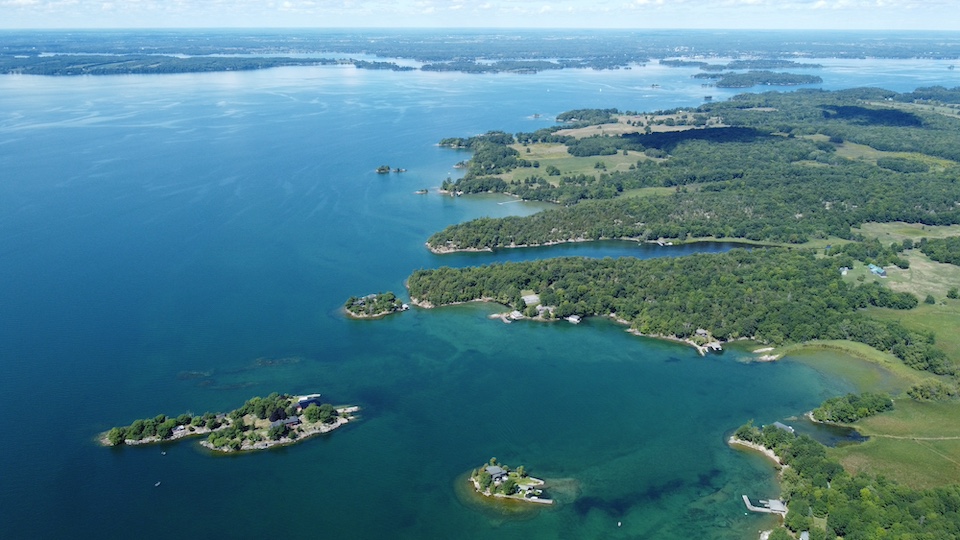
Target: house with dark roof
(290,421)
(497,473)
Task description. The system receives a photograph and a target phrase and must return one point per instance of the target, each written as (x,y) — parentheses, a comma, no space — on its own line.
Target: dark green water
(158,235)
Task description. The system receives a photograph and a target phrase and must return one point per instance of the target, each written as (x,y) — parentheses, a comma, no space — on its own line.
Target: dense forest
(856,506)
(774,295)
(773,173)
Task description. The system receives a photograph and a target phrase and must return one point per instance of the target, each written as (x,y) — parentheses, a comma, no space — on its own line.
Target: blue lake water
(160,234)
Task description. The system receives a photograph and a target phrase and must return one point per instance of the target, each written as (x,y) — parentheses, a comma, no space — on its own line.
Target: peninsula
(261,423)
(495,479)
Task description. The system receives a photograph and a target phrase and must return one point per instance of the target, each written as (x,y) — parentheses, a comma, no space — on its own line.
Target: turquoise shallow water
(158,235)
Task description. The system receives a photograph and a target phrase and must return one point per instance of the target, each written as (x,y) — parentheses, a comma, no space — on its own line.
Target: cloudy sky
(760,14)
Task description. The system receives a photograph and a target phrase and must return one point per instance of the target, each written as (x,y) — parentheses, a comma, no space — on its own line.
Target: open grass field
(898,231)
(917,444)
(922,278)
(862,152)
(925,276)
(942,318)
(638,123)
(945,110)
(556,154)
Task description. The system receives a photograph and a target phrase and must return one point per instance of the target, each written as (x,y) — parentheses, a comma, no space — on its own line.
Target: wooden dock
(768,507)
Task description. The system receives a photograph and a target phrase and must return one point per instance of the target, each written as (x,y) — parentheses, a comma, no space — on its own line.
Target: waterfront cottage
(497,473)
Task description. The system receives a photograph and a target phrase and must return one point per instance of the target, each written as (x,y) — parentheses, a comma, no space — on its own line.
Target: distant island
(495,479)
(373,306)
(59,52)
(385,169)
(765,78)
(261,423)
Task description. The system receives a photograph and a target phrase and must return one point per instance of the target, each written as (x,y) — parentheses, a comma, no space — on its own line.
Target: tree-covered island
(261,423)
(373,306)
(495,479)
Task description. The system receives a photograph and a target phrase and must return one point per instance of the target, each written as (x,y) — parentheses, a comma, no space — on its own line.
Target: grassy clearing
(898,231)
(862,152)
(945,110)
(943,319)
(918,464)
(912,419)
(916,443)
(650,192)
(556,155)
(638,123)
(924,276)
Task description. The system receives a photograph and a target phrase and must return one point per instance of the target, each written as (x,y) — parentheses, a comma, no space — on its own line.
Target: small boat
(157,484)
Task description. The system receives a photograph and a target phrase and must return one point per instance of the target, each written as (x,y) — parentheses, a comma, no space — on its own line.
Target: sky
(639,14)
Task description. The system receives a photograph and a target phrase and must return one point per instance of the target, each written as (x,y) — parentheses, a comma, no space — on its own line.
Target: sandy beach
(733,441)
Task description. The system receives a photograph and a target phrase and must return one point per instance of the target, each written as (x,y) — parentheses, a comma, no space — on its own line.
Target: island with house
(261,423)
(498,480)
(374,306)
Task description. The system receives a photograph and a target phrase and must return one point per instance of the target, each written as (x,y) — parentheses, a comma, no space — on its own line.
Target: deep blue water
(153,227)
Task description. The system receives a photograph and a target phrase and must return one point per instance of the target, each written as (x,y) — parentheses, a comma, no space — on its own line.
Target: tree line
(767,176)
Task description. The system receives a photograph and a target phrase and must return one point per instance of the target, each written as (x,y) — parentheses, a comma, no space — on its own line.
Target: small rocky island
(373,306)
(385,169)
(261,423)
(498,480)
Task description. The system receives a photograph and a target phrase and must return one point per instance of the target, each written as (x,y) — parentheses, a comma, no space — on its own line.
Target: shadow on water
(620,506)
(598,249)
(828,434)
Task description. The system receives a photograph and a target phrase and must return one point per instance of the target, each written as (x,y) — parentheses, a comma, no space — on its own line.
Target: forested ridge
(772,174)
(774,295)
